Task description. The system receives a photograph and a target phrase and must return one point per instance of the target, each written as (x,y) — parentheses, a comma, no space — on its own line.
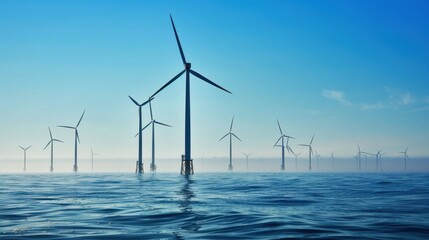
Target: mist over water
(215,205)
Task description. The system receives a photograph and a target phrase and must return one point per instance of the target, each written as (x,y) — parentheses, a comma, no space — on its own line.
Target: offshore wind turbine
(317,158)
(153,122)
(332,160)
(378,158)
(282,137)
(51,142)
(359,157)
(405,157)
(92,159)
(230,133)
(139,165)
(296,159)
(187,165)
(76,139)
(247,159)
(25,156)
(310,152)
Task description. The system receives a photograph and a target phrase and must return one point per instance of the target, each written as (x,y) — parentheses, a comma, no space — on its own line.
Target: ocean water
(214,206)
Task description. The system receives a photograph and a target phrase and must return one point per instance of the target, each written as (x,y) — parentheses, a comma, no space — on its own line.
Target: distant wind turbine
(405,157)
(317,158)
(230,133)
(140,161)
(282,137)
(153,122)
(51,142)
(76,139)
(247,159)
(359,157)
(296,159)
(187,165)
(25,156)
(332,160)
(92,159)
(378,158)
(310,152)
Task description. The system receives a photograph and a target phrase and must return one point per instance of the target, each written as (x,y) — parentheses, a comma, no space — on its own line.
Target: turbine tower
(51,142)
(247,159)
(332,160)
(76,139)
(310,152)
(282,137)
(317,158)
(92,159)
(405,158)
(187,165)
(230,167)
(378,158)
(153,122)
(139,165)
(25,156)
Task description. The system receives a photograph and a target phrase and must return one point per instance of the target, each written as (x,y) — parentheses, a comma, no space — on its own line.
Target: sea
(215,206)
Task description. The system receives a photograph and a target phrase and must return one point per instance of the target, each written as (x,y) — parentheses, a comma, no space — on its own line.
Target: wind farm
(328,119)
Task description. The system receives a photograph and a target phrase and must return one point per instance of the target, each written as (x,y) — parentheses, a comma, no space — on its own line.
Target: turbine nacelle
(187,66)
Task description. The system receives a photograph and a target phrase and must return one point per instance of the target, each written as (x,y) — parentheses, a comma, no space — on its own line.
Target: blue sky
(351,72)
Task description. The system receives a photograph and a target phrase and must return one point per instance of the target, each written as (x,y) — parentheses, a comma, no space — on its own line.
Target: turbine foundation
(183,167)
(141,170)
(152,167)
(74,168)
(230,167)
(51,169)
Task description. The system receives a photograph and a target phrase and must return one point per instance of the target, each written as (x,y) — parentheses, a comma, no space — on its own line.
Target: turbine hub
(187,66)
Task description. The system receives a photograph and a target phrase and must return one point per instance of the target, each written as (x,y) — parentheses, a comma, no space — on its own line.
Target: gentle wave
(214,206)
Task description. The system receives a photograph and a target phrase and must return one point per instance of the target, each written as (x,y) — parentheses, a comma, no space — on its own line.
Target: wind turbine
(153,122)
(282,136)
(230,144)
(332,160)
(317,158)
(310,152)
(25,156)
(358,157)
(52,148)
(139,164)
(247,159)
(92,159)
(187,165)
(296,159)
(76,139)
(405,158)
(378,158)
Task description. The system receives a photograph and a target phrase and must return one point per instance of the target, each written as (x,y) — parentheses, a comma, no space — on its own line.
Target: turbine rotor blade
(169,82)
(207,80)
(77,135)
(178,41)
(281,133)
(224,136)
(66,127)
(134,101)
(163,124)
(312,139)
(50,133)
(22,148)
(80,118)
(278,140)
(56,140)
(236,137)
(47,144)
(150,107)
(147,101)
(232,122)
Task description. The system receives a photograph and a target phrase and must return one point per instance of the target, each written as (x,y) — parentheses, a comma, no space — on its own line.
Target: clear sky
(350,72)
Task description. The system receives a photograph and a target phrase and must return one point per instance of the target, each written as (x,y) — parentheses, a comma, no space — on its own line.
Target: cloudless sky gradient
(350,72)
